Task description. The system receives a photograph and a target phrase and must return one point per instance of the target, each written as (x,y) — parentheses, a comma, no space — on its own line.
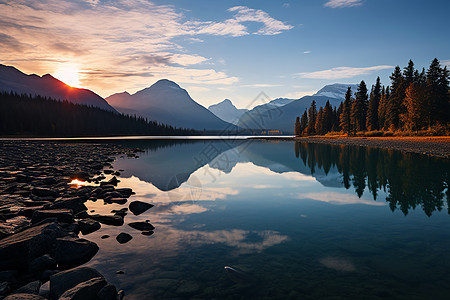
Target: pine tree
(359,108)
(327,118)
(395,100)
(312,116)
(297,127)
(304,122)
(320,122)
(434,73)
(337,118)
(345,118)
(372,122)
(382,109)
(415,116)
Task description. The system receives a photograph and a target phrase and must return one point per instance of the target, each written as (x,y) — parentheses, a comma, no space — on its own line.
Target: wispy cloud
(342,3)
(128,40)
(446,63)
(342,72)
(235,27)
(306,52)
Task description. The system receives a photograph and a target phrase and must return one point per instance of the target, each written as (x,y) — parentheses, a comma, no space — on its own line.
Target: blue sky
(222,49)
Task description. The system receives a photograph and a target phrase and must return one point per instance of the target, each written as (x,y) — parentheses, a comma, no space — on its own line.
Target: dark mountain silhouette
(166,102)
(13,80)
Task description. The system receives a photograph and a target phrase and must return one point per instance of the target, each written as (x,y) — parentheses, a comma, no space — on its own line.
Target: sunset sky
(222,49)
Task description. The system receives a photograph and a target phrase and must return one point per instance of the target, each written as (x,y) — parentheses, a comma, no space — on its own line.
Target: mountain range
(13,80)
(166,102)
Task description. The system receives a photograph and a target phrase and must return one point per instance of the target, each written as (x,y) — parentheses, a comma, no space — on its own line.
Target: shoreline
(42,216)
(438,146)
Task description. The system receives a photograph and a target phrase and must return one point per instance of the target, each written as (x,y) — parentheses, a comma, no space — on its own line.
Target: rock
(104,236)
(44,290)
(120,272)
(126,192)
(86,290)
(44,192)
(75,204)
(21,248)
(108,220)
(108,292)
(43,262)
(147,232)
(112,194)
(62,215)
(30,288)
(114,181)
(24,297)
(69,251)
(4,287)
(117,200)
(143,226)
(108,171)
(63,281)
(138,207)
(120,294)
(45,276)
(123,238)
(87,226)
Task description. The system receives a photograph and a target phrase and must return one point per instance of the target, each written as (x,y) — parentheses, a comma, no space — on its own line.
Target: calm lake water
(298,221)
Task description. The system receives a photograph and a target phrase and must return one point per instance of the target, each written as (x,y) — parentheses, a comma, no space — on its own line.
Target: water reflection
(404,180)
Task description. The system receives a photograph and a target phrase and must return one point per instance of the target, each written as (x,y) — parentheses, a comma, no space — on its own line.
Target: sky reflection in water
(299,218)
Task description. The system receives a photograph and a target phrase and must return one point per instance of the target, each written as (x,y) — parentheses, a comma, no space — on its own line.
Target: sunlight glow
(78,183)
(68,74)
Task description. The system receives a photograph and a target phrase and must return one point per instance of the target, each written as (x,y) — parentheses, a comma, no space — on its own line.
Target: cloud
(306,52)
(234,27)
(299,94)
(445,63)
(128,40)
(261,85)
(342,3)
(342,72)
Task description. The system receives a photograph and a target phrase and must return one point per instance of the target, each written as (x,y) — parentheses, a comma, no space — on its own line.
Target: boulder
(70,251)
(62,215)
(123,238)
(142,226)
(21,248)
(86,290)
(117,200)
(138,207)
(87,226)
(65,280)
(41,263)
(108,292)
(30,288)
(44,192)
(75,204)
(108,220)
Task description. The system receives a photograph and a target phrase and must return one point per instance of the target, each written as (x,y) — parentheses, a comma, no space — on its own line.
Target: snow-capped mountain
(336,90)
(166,102)
(227,111)
(11,79)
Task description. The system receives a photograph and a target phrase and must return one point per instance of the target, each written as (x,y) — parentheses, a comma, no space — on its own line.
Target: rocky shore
(42,214)
(434,146)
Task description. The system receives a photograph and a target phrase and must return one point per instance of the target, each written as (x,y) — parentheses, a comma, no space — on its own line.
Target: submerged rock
(108,220)
(123,238)
(138,207)
(87,226)
(142,226)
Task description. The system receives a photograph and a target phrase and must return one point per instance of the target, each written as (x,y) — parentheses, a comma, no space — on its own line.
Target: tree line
(382,171)
(26,115)
(414,101)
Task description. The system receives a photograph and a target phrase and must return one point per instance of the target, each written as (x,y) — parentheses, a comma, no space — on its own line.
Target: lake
(293,220)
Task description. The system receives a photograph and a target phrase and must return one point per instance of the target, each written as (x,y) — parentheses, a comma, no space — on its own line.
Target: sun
(69,74)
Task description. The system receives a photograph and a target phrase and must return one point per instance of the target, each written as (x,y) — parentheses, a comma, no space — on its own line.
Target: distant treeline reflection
(409,179)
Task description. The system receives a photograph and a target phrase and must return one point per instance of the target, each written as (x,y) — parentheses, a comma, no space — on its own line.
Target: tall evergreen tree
(359,108)
(415,116)
(432,92)
(312,116)
(345,118)
(304,122)
(320,122)
(337,118)
(327,117)
(372,111)
(382,109)
(395,100)
(297,129)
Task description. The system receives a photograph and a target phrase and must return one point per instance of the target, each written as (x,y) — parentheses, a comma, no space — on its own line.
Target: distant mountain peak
(227,111)
(166,83)
(336,90)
